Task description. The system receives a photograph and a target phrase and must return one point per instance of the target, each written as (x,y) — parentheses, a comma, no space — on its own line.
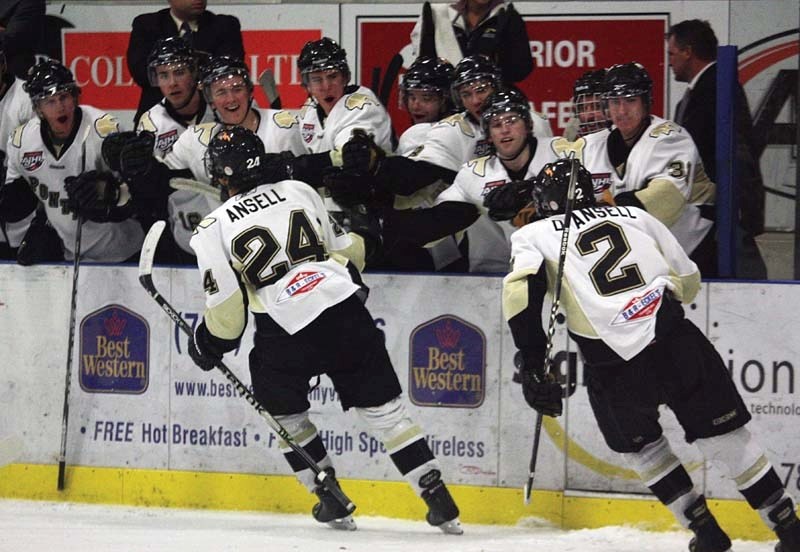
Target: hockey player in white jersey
(275,242)
(15,110)
(625,276)
(56,159)
(653,164)
(228,89)
(587,105)
(517,155)
(424,92)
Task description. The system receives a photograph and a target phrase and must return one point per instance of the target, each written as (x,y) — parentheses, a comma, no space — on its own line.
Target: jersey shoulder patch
(204,132)
(284,119)
(356,100)
(16,137)
(459,121)
(105,125)
(563,147)
(205,223)
(146,123)
(664,129)
(478,165)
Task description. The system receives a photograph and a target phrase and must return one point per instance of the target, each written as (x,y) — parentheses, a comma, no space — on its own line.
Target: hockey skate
(442,511)
(788,526)
(329,510)
(708,536)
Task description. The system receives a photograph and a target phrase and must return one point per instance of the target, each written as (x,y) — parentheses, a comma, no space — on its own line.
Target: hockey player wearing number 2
(274,241)
(625,276)
(56,158)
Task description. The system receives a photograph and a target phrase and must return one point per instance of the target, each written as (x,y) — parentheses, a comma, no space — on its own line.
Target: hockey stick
(76,264)
(146,279)
(178,183)
(267,82)
(551,325)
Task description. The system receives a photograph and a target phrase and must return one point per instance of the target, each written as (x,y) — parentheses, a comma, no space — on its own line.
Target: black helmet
(625,80)
(173,50)
(428,74)
(223,67)
(234,159)
(506,101)
(322,55)
(49,77)
(472,69)
(586,94)
(550,190)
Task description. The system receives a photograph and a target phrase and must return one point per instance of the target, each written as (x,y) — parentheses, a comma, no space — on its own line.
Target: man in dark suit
(208,33)
(692,50)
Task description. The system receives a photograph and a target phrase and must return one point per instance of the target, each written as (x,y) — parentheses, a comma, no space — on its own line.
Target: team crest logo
(114,352)
(482,148)
(601,182)
(164,141)
(639,308)
(32,160)
(301,283)
(489,186)
(447,364)
(307,132)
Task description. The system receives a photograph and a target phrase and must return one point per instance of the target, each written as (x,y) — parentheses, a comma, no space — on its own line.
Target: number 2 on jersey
(629,278)
(257,247)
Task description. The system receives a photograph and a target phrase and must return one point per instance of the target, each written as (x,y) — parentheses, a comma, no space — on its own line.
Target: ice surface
(32,526)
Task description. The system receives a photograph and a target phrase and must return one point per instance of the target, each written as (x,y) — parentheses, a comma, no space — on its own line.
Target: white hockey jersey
(278,239)
(665,160)
(359,109)
(456,139)
(276,128)
(15,110)
(489,246)
(619,262)
(165,127)
(29,158)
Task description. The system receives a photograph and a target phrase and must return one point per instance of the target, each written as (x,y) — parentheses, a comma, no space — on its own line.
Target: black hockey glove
(541,391)
(360,154)
(202,350)
(92,194)
(505,201)
(349,188)
(112,146)
(136,156)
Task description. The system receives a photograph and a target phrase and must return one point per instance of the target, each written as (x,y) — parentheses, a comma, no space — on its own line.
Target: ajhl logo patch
(164,141)
(447,358)
(601,182)
(302,282)
(114,352)
(639,308)
(32,160)
(489,186)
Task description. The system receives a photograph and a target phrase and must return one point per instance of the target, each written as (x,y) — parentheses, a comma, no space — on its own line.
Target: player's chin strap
(146,279)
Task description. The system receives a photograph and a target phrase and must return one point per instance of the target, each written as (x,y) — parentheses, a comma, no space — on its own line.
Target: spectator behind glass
(692,50)
(207,33)
(469,27)
(21,25)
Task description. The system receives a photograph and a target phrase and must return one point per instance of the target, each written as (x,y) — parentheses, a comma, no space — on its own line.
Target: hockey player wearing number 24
(625,277)
(56,158)
(274,240)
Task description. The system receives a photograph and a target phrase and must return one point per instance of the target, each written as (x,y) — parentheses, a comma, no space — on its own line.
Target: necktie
(681,109)
(186,32)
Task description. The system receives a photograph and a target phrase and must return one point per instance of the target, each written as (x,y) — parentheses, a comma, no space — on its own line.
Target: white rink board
(486,442)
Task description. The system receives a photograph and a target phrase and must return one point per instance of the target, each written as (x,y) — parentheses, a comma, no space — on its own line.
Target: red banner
(563,48)
(98,61)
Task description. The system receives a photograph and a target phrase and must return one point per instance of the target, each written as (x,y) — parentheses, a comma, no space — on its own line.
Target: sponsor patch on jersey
(114,352)
(489,186)
(307,132)
(164,141)
(447,357)
(301,283)
(483,148)
(601,182)
(639,308)
(32,160)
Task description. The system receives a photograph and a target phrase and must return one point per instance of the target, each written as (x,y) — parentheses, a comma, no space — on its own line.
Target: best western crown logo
(114,352)
(448,364)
